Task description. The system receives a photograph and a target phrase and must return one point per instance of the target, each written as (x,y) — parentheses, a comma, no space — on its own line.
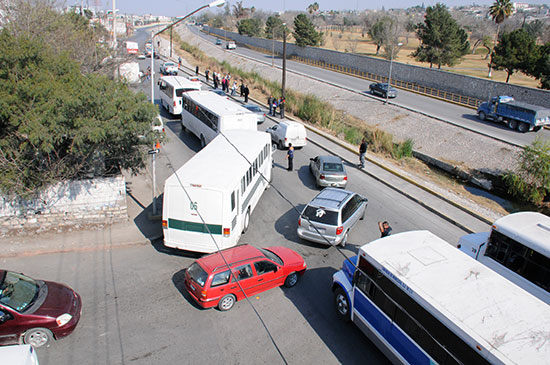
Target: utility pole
(284,62)
(114,25)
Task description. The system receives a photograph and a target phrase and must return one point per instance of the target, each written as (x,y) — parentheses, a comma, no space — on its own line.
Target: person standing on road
(282,107)
(241,92)
(270,104)
(215,79)
(362,151)
(234,88)
(290,157)
(179,61)
(385,229)
(197,70)
(206,74)
(246,92)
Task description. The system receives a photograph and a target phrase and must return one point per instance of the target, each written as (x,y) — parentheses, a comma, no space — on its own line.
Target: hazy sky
(184,7)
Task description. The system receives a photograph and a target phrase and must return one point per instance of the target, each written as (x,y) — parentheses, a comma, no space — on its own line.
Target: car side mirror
(4,317)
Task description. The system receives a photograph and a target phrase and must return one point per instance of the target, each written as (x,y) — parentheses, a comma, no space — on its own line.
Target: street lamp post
(389,76)
(284,62)
(273,47)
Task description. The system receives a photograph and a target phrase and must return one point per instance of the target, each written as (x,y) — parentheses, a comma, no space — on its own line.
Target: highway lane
(459,115)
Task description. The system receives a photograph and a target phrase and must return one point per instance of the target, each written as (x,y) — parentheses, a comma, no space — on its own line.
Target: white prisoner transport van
(212,196)
(287,132)
(518,248)
(172,89)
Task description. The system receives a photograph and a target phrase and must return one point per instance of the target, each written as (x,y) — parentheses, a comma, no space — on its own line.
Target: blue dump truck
(517,115)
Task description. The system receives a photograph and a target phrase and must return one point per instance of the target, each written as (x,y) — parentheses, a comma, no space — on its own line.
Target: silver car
(328,171)
(260,115)
(330,216)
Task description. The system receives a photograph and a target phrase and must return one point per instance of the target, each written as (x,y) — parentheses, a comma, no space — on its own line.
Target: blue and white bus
(422,301)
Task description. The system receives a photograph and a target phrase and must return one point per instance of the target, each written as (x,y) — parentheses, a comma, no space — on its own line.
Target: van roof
(331,198)
(232,255)
(531,229)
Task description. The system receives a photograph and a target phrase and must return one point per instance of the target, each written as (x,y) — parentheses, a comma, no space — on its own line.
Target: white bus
(223,187)
(206,114)
(518,248)
(421,301)
(172,89)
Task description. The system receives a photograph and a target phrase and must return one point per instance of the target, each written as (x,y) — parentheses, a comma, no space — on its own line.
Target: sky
(183,7)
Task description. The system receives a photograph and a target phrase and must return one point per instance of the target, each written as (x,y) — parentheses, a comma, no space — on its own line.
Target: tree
(57,123)
(378,32)
(532,180)
(239,11)
(274,28)
(442,40)
(515,51)
(304,32)
(541,67)
(535,28)
(313,8)
(251,27)
(499,11)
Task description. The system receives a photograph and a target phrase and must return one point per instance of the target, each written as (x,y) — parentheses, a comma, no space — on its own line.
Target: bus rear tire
(342,304)
(246,220)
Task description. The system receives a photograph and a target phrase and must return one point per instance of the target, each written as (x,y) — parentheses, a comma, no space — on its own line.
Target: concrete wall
(97,201)
(447,81)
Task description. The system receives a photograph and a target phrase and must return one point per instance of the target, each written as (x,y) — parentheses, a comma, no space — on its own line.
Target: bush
(403,150)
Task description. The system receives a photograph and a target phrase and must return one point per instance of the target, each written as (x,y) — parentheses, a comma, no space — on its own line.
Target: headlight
(63,319)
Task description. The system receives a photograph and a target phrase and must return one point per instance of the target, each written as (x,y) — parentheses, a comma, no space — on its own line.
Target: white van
(18,355)
(288,132)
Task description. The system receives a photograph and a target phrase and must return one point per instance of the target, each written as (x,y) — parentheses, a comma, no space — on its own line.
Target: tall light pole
(389,77)
(114,25)
(284,62)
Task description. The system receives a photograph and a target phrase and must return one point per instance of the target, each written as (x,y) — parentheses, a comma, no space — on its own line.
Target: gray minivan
(330,216)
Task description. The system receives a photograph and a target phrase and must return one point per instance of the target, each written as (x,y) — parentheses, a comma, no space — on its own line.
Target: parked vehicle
(517,115)
(169,68)
(224,183)
(381,89)
(230,45)
(330,216)
(213,281)
(34,311)
(518,248)
(171,93)
(256,110)
(18,355)
(288,132)
(420,301)
(132,47)
(218,42)
(328,171)
(220,93)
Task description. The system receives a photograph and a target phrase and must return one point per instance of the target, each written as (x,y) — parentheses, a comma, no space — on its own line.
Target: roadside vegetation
(63,115)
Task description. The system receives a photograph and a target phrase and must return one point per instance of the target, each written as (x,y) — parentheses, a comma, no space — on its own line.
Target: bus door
(235,216)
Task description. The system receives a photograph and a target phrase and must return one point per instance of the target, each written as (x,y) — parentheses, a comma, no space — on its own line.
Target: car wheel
(246,220)
(362,215)
(203,142)
(281,145)
(38,337)
(342,305)
(512,124)
(226,303)
(482,116)
(291,280)
(523,127)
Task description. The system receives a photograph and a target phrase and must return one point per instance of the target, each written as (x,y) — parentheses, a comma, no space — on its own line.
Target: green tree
(304,32)
(313,8)
(379,31)
(499,11)
(541,67)
(239,11)
(251,27)
(442,40)
(274,27)
(532,180)
(57,123)
(515,51)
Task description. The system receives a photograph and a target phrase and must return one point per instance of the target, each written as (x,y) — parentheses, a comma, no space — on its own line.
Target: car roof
(331,198)
(251,106)
(232,255)
(333,159)
(169,63)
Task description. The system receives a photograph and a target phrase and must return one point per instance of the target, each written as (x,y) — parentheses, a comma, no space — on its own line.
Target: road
(136,310)
(462,116)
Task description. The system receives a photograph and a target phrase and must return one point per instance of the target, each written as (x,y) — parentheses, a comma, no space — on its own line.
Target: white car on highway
(169,68)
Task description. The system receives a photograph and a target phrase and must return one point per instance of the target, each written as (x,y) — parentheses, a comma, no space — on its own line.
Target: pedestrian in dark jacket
(274,106)
(282,107)
(241,92)
(206,74)
(290,157)
(197,70)
(246,92)
(270,104)
(215,79)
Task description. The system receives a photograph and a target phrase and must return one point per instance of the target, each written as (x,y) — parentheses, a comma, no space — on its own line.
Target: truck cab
(488,110)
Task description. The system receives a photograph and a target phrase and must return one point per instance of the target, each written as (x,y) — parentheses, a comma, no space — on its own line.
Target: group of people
(273,103)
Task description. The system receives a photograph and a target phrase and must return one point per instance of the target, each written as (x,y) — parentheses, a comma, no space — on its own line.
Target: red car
(36,311)
(212,283)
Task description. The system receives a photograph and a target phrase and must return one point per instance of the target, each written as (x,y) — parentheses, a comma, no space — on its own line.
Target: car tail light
(345,178)
(322,177)
(63,319)
(226,232)
(339,230)
(174,103)
(203,294)
(300,222)
(286,139)
(164,223)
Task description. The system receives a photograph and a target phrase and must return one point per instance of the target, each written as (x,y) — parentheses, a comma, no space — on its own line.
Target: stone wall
(73,203)
(469,86)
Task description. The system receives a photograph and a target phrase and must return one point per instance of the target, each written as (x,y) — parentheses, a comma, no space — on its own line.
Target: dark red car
(212,283)
(35,311)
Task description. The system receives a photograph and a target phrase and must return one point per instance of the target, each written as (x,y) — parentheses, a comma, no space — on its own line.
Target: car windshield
(168,64)
(18,291)
(253,108)
(320,215)
(197,273)
(270,255)
(333,167)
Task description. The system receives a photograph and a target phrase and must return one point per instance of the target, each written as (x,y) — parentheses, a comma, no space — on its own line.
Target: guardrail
(424,90)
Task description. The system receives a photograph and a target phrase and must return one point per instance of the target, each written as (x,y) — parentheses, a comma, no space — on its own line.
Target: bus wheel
(246,220)
(203,142)
(342,304)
